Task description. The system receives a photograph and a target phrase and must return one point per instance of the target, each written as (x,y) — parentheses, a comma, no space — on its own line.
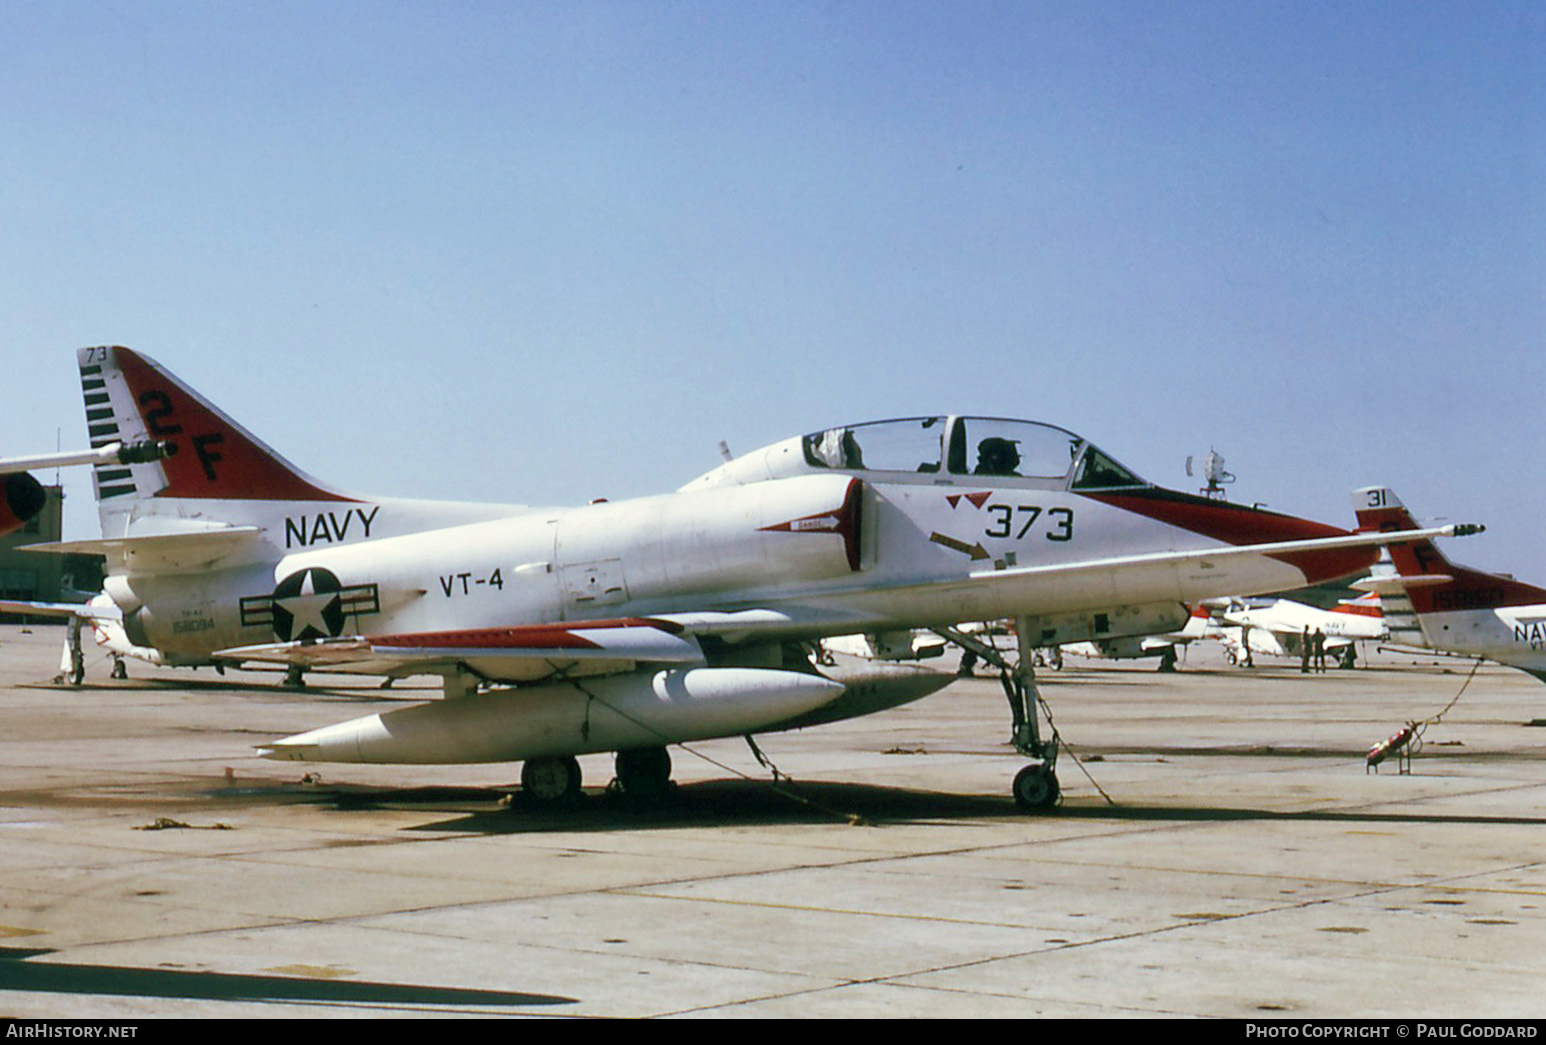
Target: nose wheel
(1036,788)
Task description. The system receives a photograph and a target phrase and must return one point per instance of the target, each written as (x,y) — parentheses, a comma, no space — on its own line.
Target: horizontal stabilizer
(183,552)
(1396,585)
(92,611)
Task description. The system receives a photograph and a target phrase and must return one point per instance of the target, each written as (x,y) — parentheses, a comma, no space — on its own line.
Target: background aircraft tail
(1366,605)
(1432,582)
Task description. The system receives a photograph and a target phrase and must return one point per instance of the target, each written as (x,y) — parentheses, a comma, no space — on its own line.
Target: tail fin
(130,399)
(1433,583)
(216,475)
(1366,605)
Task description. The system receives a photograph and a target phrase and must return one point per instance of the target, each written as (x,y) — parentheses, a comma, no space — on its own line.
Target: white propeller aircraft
(632,625)
(1278,627)
(1459,609)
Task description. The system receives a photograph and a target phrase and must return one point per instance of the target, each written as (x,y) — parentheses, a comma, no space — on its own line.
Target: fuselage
(854,529)
(1512,635)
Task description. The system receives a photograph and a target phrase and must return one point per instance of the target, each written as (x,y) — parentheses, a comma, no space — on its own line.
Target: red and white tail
(1432,582)
(218,474)
(130,399)
(1367,605)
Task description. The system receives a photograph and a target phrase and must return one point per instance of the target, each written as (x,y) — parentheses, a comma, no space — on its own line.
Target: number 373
(1016,520)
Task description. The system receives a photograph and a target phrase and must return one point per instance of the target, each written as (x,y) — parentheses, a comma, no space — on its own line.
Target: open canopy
(987,446)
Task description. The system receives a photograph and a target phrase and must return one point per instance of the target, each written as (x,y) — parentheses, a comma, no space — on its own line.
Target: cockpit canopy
(985,446)
(937,449)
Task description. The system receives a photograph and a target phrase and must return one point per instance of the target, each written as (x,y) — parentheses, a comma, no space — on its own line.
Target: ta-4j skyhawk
(632,625)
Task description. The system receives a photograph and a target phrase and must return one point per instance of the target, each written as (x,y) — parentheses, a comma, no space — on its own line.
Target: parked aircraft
(1200,624)
(105,620)
(1461,610)
(631,625)
(1278,627)
(22,496)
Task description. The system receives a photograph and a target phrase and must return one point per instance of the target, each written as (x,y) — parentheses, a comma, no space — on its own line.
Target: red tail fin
(130,398)
(1436,585)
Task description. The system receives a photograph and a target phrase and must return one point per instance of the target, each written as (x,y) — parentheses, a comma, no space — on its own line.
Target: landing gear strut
(551,780)
(1036,786)
(644,773)
(72,663)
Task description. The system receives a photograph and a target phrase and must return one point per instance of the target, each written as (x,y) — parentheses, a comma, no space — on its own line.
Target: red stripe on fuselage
(1467,590)
(534,636)
(1238,524)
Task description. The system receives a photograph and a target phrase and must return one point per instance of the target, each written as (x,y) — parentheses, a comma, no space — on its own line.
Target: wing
(518,654)
(1091,584)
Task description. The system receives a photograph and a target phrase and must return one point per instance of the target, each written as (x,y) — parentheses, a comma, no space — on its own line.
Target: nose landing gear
(1036,787)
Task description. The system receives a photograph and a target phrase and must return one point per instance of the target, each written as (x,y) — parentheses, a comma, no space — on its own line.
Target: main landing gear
(72,662)
(1036,786)
(551,780)
(643,776)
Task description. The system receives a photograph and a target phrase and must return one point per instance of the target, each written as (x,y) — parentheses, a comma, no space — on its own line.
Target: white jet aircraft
(1460,610)
(107,630)
(631,625)
(21,498)
(1199,625)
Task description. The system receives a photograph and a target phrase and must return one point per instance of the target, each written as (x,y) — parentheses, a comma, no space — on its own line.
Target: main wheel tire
(1036,788)
(552,780)
(644,773)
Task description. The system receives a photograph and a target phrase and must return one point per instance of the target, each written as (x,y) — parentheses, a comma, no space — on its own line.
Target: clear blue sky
(545,252)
